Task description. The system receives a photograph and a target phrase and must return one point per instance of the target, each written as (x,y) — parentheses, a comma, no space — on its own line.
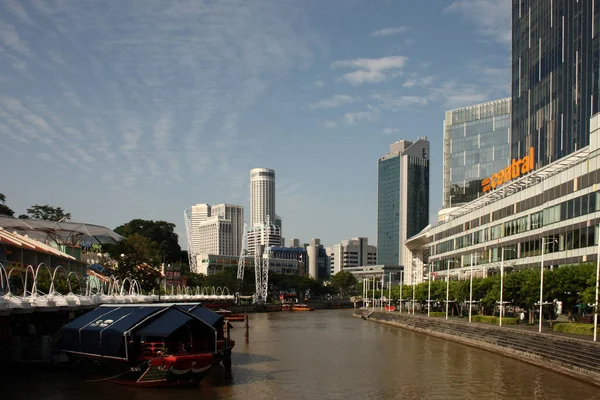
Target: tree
(136,257)
(23,216)
(159,232)
(343,282)
(4,209)
(47,212)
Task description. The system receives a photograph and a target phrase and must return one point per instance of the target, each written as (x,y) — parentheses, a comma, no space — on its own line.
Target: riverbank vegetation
(573,285)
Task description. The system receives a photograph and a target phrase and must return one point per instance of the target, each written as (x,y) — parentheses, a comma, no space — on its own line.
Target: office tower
(295,242)
(262,236)
(217,229)
(476,145)
(402,198)
(199,214)
(262,196)
(354,252)
(234,214)
(555,64)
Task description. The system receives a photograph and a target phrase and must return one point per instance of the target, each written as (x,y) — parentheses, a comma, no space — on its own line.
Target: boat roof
(104,331)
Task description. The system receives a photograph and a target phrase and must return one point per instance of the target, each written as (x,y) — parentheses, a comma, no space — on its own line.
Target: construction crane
(190,244)
(242,260)
(261,263)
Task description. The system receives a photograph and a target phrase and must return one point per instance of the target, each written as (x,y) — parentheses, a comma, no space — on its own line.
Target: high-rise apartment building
(555,63)
(262,196)
(402,198)
(355,252)
(476,145)
(262,236)
(217,229)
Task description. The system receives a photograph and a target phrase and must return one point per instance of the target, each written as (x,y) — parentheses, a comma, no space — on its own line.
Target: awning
(100,332)
(208,316)
(167,323)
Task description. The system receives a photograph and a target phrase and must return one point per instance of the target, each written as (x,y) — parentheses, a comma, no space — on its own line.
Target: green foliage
(437,314)
(47,212)
(489,319)
(578,329)
(4,209)
(136,257)
(161,233)
(343,283)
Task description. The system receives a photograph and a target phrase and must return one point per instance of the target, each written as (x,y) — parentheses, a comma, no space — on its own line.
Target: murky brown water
(332,355)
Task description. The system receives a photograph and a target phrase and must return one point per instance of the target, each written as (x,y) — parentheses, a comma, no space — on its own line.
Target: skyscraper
(262,196)
(217,229)
(402,198)
(476,145)
(555,62)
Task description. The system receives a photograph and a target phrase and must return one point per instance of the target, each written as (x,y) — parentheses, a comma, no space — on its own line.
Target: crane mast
(192,259)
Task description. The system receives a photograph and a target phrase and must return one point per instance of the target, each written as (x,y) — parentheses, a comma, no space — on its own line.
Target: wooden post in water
(246,334)
(227,359)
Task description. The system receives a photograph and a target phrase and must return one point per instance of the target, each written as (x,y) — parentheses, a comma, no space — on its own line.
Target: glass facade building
(476,145)
(402,198)
(555,62)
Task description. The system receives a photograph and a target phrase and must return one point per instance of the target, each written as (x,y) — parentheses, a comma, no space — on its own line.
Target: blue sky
(139,109)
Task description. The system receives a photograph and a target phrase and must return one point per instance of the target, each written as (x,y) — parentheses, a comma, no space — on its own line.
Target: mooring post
(246,334)
(227,358)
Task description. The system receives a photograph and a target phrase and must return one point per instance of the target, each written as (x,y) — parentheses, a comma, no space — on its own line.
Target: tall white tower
(262,195)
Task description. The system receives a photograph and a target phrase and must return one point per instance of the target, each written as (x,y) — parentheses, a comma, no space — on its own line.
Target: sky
(116,110)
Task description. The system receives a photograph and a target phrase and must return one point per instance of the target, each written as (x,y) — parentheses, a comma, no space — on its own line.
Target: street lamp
(448,285)
(390,291)
(413,283)
(542,284)
(502,284)
(429,291)
(382,289)
(597,278)
(401,284)
(471,288)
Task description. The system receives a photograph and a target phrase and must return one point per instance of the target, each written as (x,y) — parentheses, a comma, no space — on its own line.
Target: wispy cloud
(371,114)
(416,80)
(336,100)
(396,103)
(331,124)
(12,40)
(371,70)
(390,31)
(491,18)
(390,131)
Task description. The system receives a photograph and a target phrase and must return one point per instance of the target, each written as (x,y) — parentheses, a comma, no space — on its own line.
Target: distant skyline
(123,110)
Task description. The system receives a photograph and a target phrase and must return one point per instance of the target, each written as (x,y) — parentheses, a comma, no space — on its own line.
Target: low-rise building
(349,253)
(210,264)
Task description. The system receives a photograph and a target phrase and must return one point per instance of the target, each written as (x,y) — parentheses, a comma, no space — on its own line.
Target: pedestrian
(522,317)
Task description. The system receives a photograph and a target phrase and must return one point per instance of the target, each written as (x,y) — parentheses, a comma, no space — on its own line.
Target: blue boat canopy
(210,317)
(108,330)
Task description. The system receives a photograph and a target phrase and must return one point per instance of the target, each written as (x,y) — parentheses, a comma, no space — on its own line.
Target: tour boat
(286,307)
(147,345)
(302,307)
(229,316)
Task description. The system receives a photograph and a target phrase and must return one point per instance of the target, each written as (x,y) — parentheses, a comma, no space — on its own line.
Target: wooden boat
(147,345)
(286,307)
(302,307)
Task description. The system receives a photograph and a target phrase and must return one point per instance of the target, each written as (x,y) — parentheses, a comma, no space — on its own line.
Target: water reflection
(331,355)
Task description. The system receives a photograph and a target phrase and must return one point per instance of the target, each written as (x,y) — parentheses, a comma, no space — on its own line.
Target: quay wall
(579,358)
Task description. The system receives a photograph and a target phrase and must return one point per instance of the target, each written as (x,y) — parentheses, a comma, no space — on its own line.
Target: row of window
(564,211)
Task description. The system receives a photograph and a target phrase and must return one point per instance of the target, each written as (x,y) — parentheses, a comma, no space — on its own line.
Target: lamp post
(502,285)
(471,289)
(390,291)
(401,284)
(374,283)
(382,291)
(448,285)
(429,291)
(413,284)
(542,286)
(597,278)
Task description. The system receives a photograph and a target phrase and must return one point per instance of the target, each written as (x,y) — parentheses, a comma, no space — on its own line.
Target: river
(331,355)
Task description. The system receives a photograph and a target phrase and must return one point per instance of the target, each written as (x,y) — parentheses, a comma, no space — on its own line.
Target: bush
(437,314)
(489,319)
(577,329)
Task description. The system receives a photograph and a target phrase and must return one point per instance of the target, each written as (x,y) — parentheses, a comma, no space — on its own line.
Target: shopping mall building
(521,212)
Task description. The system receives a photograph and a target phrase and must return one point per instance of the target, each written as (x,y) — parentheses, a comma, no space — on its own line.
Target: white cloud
(319,83)
(492,18)
(16,8)
(396,103)
(371,115)
(335,101)
(371,70)
(391,131)
(390,31)
(455,95)
(331,124)
(11,39)
(415,80)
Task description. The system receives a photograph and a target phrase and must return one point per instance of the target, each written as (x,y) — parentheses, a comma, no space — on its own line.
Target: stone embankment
(579,358)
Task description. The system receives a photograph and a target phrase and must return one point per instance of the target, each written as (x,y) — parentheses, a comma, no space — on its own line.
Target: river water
(331,355)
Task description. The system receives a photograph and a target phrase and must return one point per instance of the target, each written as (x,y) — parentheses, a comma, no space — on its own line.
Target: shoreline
(577,358)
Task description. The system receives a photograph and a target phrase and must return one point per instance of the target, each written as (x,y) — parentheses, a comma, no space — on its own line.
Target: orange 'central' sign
(513,171)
